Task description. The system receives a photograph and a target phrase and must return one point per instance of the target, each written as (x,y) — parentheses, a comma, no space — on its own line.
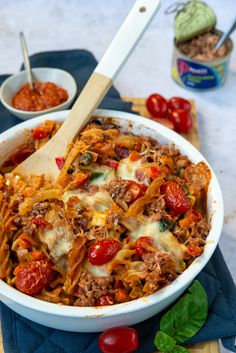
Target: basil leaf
(187,316)
(164,342)
(164,225)
(70,171)
(95,175)
(180,349)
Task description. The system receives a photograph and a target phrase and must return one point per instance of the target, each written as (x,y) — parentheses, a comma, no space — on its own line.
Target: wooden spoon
(43,160)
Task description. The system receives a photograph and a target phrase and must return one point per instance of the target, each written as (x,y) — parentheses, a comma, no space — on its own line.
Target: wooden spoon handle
(114,58)
(43,161)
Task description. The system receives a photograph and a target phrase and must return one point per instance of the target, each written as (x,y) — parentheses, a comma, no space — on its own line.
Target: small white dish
(43,74)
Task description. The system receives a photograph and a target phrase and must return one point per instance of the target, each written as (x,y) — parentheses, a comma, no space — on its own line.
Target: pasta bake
(126,216)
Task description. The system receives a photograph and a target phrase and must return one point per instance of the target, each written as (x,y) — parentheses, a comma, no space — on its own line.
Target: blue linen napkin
(24,336)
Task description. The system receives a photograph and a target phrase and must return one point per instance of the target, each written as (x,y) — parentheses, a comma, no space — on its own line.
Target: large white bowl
(13,83)
(91,319)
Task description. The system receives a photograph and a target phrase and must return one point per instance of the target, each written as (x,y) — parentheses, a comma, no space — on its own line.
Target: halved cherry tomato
(143,245)
(40,222)
(134,156)
(194,250)
(157,105)
(103,251)
(136,189)
(175,197)
(182,120)
(119,340)
(112,164)
(80,180)
(179,103)
(39,133)
(154,171)
(60,161)
(106,299)
(33,277)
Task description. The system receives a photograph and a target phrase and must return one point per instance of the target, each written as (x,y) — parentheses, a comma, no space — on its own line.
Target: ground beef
(98,233)
(156,208)
(118,190)
(182,161)
(40,208)
(160,262)
(194,235)
(92,189)
(90,288)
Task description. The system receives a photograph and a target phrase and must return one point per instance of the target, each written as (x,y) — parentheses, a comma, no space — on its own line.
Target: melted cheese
(127,169)
(98,202)
(165,241)
(98,271)
(59,239)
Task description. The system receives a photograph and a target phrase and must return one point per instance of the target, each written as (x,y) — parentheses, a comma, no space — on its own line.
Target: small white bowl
(43,74)
(94,319)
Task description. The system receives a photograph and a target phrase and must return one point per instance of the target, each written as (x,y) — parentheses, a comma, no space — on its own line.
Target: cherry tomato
(182,120)
(103,251)
(179,103)
(60,161)
(136,189)
(194,250)
(106,299)
(134,156)
(40,222)
(39,134)
(112,164)
(80,180)
(175,197)
(33,277)
(118,340)
(154,172)
(157,105)
(143,245)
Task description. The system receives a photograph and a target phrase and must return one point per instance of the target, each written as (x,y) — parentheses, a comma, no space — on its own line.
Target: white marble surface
(69,24)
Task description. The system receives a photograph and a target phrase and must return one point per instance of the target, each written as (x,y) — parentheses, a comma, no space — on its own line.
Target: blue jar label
(196,75)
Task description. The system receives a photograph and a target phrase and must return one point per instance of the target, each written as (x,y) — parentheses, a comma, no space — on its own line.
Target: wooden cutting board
(193,137)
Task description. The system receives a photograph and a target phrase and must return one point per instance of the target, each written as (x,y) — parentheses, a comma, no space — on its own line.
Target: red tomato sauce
(44,96)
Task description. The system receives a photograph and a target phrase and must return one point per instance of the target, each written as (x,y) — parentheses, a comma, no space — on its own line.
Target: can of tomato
(198,68)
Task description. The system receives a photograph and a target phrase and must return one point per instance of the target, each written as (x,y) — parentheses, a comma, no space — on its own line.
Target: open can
(198,74)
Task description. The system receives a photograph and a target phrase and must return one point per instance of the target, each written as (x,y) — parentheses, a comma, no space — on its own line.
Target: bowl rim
(181,282)
(40,112)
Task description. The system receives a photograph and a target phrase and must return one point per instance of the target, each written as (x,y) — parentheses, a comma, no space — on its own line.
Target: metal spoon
(226,35)
(26,60)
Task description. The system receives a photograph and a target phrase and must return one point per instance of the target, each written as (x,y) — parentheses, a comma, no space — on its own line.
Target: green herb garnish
(178,171)
(70,171)
(164,225)
(183,320)
(95,176)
